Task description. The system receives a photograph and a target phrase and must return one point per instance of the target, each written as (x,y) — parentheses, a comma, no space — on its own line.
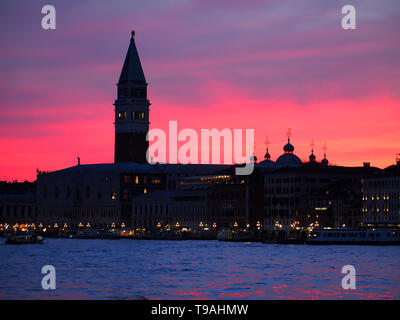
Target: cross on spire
(289,133)
(266,142)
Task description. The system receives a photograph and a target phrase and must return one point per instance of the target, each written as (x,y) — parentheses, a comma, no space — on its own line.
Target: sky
(266,65)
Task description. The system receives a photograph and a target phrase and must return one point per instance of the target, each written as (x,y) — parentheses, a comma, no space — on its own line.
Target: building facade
(381,197)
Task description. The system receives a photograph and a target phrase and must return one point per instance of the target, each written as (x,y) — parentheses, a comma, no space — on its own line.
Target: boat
(200,234)
(24,238)
(98,234)
(291,237)
(166,235)
(236,235)
(354,236)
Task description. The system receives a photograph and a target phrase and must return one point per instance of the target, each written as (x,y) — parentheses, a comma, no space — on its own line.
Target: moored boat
(353,236)
(234,235)
(166,235)
(98,234)
(24,238)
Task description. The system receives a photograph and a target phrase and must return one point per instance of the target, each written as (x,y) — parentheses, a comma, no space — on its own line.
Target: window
(155,180)
(122,115)
(138,115)
(122,92)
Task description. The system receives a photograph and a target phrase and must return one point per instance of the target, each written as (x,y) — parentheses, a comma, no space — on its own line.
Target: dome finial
(267,155)
(312,156)
(132,34)
(325,160)
(289,134)
(288,148)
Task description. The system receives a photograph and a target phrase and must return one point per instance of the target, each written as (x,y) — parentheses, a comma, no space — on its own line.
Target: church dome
(288,160)
(267,164)
(312,157)
(288,148)
(325,161)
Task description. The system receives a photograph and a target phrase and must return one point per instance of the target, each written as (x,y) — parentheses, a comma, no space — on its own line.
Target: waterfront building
(17,203)
(295,192)
(336,205)
(221,200)
(381,197)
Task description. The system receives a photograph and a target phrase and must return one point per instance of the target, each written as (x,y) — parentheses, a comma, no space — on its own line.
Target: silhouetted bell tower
(131,110)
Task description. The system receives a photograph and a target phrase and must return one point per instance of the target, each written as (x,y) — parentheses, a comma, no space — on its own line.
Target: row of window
(297,180)
(381,196)
(281,190)
(127,178)
(131,93)
(153,210)
(89,214)
(134,115)
(373,183)
(280,201)
(382,208)
(270,213)
(277,223)
(17,211)
(235,195)
(349,235)
(77,193)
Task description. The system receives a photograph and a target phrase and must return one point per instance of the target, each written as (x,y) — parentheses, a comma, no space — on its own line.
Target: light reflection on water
(130,269)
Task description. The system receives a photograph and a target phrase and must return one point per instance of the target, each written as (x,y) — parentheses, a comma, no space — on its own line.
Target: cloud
(280,62)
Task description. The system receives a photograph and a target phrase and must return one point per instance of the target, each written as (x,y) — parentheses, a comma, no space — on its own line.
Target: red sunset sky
(267,65)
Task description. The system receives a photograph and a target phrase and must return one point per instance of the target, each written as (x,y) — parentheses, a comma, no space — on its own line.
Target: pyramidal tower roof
(132,71)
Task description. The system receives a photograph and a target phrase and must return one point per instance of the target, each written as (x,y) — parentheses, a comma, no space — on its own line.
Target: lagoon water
(132,269)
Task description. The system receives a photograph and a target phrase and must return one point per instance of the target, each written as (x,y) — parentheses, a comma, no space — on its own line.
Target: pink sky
(268,66)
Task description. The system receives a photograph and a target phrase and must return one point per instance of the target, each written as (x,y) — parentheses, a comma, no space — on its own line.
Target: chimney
(367,164)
